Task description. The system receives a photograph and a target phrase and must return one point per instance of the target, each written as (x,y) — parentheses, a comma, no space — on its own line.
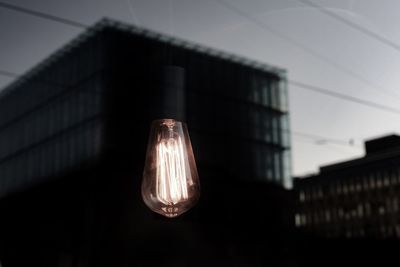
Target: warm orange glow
(170,181)
(171,174)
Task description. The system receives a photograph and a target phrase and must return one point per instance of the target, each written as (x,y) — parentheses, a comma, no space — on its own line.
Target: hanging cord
(171,17)
(170,47)
(132,11)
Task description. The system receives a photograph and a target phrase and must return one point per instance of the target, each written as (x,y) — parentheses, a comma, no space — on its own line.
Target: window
(274,89)
(360,211)
(367,208)
(358,187)
(351,187)
(393,179)
(386,181)
(2,179)
(304,219)
(327,216)
(339,188)
(366,184)
(381,210)
(277,166)
(379,183)
(264,94)
(372,182)
(395,204)
(298,220)
(275,130)
(320,193)
(345,189)
(302,196)
(285,131)
(340,213)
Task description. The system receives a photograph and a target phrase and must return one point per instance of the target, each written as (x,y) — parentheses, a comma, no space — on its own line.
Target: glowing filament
(170,183)
(171,178)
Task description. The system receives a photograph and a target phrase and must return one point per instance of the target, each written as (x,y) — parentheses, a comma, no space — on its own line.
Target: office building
(73,135)
(356,199)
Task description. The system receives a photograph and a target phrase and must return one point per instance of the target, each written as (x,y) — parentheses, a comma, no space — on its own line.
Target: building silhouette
(356,199)
(73,134)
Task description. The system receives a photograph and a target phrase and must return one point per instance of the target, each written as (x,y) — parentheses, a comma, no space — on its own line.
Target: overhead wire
(135,18)
(8,74)
(374,35)
(345,97)
(296,83)
(293,82)
(299,84)
(329,146)
(320,140)
(261,24)
(43,15)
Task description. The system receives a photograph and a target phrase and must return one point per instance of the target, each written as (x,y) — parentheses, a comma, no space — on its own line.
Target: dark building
(356,199)
(73,134)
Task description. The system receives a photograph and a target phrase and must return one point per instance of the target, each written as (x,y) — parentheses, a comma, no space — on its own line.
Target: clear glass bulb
(170,183)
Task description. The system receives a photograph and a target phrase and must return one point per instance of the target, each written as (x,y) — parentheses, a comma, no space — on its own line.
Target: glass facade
(361,202)
(73,136)
(244,111)
(236,109)
(50,120)
(54,118)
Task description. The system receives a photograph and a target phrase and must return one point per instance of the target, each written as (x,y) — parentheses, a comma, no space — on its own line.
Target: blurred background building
(73,134)
(356,199)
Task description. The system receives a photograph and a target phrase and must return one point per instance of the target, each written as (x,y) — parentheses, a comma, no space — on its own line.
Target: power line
(322,140)
(329,146)
(317,139)
(258,22)
(133,13)
(238,11)
(302,85)
(43,15)
(261,24)
(380,38)
(360,101)
(8,74)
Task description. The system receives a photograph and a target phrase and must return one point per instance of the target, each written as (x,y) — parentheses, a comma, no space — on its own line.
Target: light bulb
(170,183)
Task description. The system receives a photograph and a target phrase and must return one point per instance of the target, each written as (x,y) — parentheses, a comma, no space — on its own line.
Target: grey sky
(371,74)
